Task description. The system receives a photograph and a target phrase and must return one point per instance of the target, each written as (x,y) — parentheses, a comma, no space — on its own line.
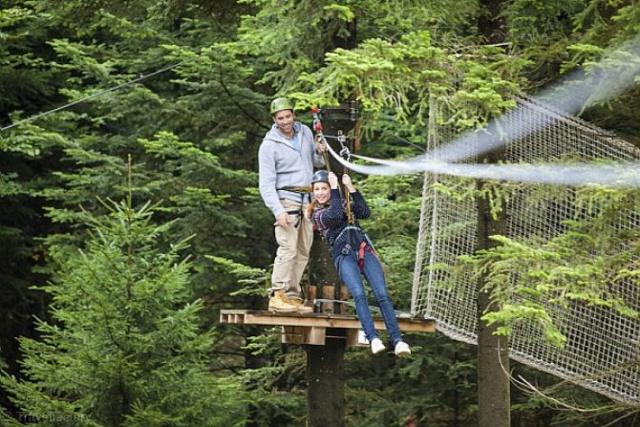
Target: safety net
(602,347)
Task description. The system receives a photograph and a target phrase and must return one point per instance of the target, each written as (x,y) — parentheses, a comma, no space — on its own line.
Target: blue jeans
(350,274)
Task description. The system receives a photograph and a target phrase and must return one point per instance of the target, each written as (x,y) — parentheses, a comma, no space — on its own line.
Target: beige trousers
(294,244)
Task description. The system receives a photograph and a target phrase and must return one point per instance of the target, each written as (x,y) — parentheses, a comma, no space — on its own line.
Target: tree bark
(494,399)
(325,389)
(493,351)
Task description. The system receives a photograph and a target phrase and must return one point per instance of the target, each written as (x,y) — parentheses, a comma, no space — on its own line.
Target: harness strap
(299,214)
(295,189)
(349,227)
(304,193)
(361,250)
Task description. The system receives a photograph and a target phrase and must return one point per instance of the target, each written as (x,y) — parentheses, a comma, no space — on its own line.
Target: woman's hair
(310,208)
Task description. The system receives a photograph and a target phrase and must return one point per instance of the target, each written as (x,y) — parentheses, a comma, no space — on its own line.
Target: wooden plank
(303,335)
(315,335)
(323,320)
(292,335)
(352,339)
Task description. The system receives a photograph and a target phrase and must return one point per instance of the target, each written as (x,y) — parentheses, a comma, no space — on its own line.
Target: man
(286,158)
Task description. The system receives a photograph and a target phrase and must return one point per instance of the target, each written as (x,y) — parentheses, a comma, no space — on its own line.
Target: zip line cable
(95,95)
(618,175)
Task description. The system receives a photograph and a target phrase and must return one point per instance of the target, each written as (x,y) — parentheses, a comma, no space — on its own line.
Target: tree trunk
(325,364)
(494,399)
(325,389)
(491,24)
(493,351)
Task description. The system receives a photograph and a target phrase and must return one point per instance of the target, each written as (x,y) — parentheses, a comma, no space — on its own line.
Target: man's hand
(283,220)
(333,180)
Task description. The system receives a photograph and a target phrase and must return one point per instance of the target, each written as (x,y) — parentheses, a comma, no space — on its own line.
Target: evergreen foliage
(140,351)
(582,265)
(124,346)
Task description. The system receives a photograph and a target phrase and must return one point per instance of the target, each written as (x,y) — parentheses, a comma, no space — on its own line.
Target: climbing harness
(357,243)
(294,189)
(303,192)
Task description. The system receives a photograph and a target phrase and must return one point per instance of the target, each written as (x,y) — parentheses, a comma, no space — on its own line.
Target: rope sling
(345,153)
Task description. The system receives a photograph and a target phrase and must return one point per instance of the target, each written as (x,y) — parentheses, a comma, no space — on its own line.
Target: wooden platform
(314,328)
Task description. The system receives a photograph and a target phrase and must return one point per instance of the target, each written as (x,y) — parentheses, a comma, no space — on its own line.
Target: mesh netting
(602,351)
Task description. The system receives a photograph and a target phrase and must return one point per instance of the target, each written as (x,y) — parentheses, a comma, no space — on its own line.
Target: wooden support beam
(312,335)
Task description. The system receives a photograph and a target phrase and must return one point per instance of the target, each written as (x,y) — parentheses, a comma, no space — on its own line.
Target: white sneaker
(377,346)
(402,349)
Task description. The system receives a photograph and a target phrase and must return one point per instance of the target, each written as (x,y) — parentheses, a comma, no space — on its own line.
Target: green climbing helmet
(280,104)
(320,176)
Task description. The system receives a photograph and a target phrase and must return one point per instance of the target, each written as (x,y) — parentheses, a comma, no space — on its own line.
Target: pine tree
(124,347)
(194,132)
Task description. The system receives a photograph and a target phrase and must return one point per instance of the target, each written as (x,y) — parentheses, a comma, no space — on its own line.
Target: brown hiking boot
(281,304)
(300,307)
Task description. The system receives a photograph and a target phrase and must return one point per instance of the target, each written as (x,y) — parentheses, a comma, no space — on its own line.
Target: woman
(353,254)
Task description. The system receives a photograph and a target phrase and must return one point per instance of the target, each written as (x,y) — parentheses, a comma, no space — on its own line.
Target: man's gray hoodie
(281,165)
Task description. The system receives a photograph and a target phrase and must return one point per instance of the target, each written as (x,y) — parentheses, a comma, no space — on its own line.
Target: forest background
(127,221)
